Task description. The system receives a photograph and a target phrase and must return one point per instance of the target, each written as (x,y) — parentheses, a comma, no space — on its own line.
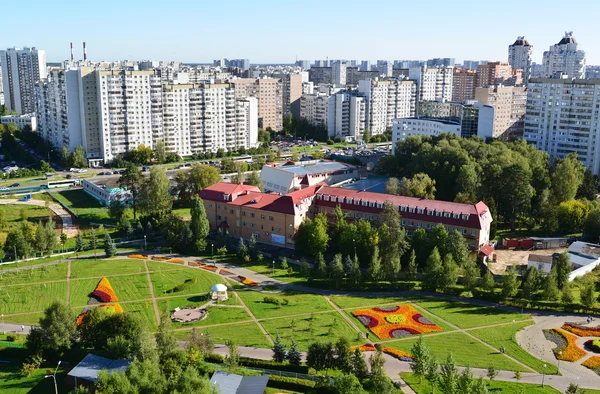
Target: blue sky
(278,31)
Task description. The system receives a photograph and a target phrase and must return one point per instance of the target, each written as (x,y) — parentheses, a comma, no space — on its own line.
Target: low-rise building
(427,127)
(106,194)
(20,120)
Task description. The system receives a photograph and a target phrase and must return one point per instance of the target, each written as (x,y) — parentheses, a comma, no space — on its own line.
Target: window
(446,214)
(455,216)
(210,205)
(271,218)
(252,214)
(403,222)
(231,211)
(473,233)
(420,211)
(465,217)
(244,213)
(429,212)
(464,231)
(438,213)
(218,217)
(419,224)
(262,217)
(411,210)
(428,226)
(244,223)
(252,225)
(402,209)
(218,206)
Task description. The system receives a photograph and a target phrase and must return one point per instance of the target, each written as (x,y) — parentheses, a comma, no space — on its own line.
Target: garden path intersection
(531,337)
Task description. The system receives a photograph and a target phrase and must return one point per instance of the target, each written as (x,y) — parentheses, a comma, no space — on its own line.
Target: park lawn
(27,319)
(32,297)
(243,334)
(266,268)
(94,268)
(47,273)
(127,288)
(299,303)
(445,327)
(467,315)
(12,216)
(201,281)
(326,327)
(193,301)
(216,315)
(503,336)
(144,310)
(466,351)
(346,302)
(83,205)
(183,212)
(493,387)
(154,266)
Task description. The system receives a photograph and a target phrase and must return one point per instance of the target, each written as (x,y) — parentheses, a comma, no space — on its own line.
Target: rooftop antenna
(84,52)
(72,57)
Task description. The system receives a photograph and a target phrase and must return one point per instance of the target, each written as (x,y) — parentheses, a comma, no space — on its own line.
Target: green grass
(98,268)
(40,274)
(266,268)
(164,266)
(165,281)
(467,315)
(493,387)
(345,302)
(32,297)
(12,216)
(325,327)
(26,319)
(144,310)
(183,212)
(83,205)
(298,304)
(466,351)
(127,288)
(503,336)
(243,334)
(216,315)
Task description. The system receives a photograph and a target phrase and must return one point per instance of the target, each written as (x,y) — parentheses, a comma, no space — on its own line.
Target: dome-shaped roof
(218,287)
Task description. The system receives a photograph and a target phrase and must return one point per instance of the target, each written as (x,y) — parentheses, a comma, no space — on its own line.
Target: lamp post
(54,377)
(145,247)
(512,326)
(212,250)
(3,326)
(558,365)
(354,242)
(273,270)
(544,375)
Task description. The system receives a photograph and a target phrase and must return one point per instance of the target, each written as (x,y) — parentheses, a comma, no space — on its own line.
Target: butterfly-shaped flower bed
(395,321)
(104,292)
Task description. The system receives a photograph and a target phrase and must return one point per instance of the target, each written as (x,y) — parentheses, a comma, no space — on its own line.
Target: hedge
(270,364)
(292,384)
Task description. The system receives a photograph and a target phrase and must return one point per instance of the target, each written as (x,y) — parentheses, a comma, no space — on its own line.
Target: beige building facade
(510,103)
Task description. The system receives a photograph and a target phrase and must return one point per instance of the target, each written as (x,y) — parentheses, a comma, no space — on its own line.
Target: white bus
(65,183)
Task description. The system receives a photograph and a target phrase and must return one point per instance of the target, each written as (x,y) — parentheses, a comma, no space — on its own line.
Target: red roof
(487,250)
(217,191)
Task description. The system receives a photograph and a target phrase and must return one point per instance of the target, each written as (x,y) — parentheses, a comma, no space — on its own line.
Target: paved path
(65,217)
(262,329)
(156,311)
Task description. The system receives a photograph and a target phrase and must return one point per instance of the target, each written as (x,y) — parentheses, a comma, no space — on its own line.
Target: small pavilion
(219,292)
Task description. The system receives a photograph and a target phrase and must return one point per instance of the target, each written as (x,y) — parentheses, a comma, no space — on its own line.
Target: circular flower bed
(423,320)
(395,321)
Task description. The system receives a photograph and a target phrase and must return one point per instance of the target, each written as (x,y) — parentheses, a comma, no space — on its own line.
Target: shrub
(285,301)
(292,384)
(270,364)
(11,338)
(330,142)
(214,358)
(271,300)
(222,251)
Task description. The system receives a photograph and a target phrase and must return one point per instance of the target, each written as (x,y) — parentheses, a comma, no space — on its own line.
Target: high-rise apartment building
(319,75)
(346,115)
(493,73)
(562,117)
(441,62)
(470,64)
(433,83)
(243,64)
(385,67)
(463,84)
(564,59)
(291,91)
(365,65)
(1,87)
(270,99)
(509,104)
(339,73)
(474,118)
(305,64)
(354,74)
(387,100)
(519,56)
(314,108)
(22,69)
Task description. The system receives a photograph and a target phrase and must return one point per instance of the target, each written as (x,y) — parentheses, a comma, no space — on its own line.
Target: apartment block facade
(519,56)
(243,211)
(314,108)
(564,59)
(433,83)
(463,84)
(563,116)
(22,69)
(509,104)
(346,115)
(493,73)
(268,93)
(386,101)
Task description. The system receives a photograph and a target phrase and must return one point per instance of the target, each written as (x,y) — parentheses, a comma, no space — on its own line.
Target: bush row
(270,364)
(292,384)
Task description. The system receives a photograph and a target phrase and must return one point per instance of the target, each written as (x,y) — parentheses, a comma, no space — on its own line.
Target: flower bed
(138,256)
(566,346)
(226,272)
(111,308)
(211,268)
(593,345)
(582,331)
(395,322)
(593,363)
(176,261)
(104,292)
(248,282)
(399,354)
(158,258)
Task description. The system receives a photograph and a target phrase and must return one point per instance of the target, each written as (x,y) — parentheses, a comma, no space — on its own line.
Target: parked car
(15,185)
(69,176)
(146,168)
(121,172)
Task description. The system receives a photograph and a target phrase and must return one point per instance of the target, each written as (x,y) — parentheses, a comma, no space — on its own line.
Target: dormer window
(226,197)
(438,213)
(420,211)
(356,202)
(455,216)
(446,214)
(465,217)
(429,212)
(326,198)
(402,209)
(411,210)
(348,201)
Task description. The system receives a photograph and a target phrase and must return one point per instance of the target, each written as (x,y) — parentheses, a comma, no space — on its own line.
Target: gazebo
(219,292)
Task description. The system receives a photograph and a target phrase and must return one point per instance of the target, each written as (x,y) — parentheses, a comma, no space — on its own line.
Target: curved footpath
(530,338)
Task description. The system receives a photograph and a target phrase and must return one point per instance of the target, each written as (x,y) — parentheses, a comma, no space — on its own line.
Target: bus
(65,183)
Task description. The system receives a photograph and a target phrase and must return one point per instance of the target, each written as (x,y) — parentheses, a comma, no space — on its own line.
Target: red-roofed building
(274,219)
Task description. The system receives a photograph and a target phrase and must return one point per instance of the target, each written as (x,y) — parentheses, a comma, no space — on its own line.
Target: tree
(131,180)
(465,381)
(366,136)
(16,241)
(23,214)
(199,176)
(2,219)
(488,282)
(567,176)
(233,357)
(312,236)
(420,356)
(588,300)
(563,269)
(572,216)
(155,194)
(337,270)
(439,239)
(574,389)
(78,158)
(449,275)
(56,332)
(63,240)
(471,274)
(374,269)
(411,269)
(449,376)
(165,340)
(79,243)
(279,353)
(589,186)
(431,372)
(515,201)
(510,284)
(116,209)
(420,185)
(200,226)
(457,245)
(343,353)
(253,179)
(203,342)
(320,356)
(551,291)
(492,372)
(392,186)
(355,274)
(479,386)
(293,355)
(566,295)
(65,157)
(347,384)
(433,271)
(359,366)
(321,271)
(160,152)
(109,246)
(376,361)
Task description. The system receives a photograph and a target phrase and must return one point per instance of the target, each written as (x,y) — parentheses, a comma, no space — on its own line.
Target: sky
(267,31)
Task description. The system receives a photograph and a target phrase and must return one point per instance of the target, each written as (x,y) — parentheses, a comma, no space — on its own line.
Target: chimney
(84,52)
(72,58)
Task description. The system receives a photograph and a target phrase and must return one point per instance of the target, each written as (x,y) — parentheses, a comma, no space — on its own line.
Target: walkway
(156,310)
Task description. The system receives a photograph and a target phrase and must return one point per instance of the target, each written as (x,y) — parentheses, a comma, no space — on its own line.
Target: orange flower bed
(248,282)
(395,322)
(138,256)
(158,258)
(226,272)
(399,354)
(209,268)
(116,308)
(592,363)
(104,292)
(582,331)
(567,349)
(176,261)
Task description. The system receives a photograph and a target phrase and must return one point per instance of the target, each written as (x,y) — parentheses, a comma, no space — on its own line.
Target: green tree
(65,157)
(337,270)
(465,381)
(166,343)
(551,292)
(359,366)
(420,185)
(155,197)
(488,282)
(343,360)
(433,271)
(116,209)
(567,176)
(515,201)
(510,284)
(467,183)
(479,386)
(392,186)
(457,245)
(591,226)
(160,152)
(293,355)
(321,271)
(492,372)
(347,384)
(78,158)
(439,239)
(471,274)
(449,376)
(574,389)
(531,283)
(110,249)
(56,332)
(366,136)
(411,269)
(131,180)
(16,241)
(588,300)
(563,269)
(420,355)
(566,295)
(572,216)
(253,179)
(589,186)
(200,226)
(63,240)
(449,273)
(312,236)
(232,359)
(374,269)
(79,243)
(377,362)
(279,353)
(200,176)
(2,219)
(431,372)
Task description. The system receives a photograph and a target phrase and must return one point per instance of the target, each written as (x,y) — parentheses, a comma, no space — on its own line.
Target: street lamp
(3,326)
(354,241)
(273,271)
(212,250)
(145,247)
(558,365)
(512,337)
(544,375)
(54,377)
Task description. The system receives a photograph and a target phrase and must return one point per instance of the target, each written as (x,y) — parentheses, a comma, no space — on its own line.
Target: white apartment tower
(387,100)
(314,108)
(346,115)
(563,116)
(519,56)
(22,69)
(434,83)
(564,59)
